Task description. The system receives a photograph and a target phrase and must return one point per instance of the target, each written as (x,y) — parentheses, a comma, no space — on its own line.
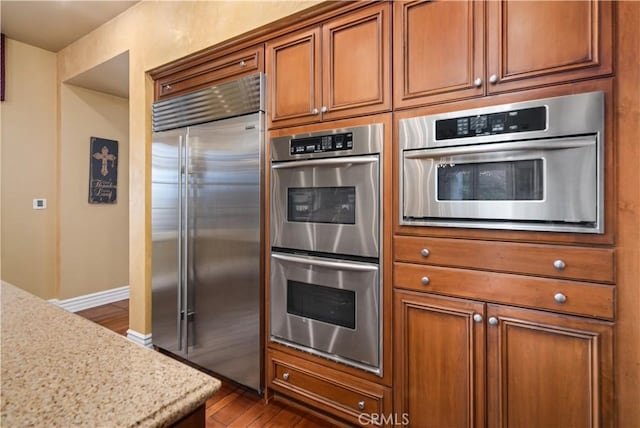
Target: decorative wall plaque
(103,175)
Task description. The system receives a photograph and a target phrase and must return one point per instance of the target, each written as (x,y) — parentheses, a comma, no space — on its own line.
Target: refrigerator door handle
(180,229)
(186,231)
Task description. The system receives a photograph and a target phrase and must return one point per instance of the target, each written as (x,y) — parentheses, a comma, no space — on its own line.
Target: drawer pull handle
(559,264)
(242,64)
(361,405)
(167,87)
(285,376)
(425,252)
(560,298)
(477,317)
(425,280)
(493,320)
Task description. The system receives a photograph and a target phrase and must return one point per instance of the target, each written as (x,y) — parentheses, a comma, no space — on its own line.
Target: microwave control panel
(321,143)
(524,120)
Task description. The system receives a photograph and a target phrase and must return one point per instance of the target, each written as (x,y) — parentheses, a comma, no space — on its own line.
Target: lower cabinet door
(548,370)
(439,360)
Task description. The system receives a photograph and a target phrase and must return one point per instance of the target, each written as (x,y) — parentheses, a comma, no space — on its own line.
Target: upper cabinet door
(356,55)
(293,76)
(534,43)
(438,51)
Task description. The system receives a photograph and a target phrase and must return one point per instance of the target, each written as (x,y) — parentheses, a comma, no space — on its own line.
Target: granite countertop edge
(78,372)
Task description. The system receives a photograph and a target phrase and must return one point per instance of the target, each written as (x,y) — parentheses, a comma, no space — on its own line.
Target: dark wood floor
(232,405)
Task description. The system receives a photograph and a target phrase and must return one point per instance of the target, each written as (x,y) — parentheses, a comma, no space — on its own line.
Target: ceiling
(54,24)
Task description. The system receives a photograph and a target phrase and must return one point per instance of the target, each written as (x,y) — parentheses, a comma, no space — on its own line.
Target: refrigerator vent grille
(235,98)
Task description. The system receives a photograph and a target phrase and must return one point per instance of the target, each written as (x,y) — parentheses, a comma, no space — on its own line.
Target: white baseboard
(92,300)
(139,338)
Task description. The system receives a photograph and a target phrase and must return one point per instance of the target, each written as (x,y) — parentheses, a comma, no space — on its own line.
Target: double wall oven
(325,288)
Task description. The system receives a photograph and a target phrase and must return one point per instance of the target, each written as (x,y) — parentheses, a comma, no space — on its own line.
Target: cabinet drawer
(337,393)
(236,65)
(580,298)
(589,264)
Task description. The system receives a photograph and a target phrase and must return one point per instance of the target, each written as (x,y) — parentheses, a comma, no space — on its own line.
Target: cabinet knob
(361,405)
(425,252)
(314,111)
(167,87)
(285,376)
(559,264)
(324,109)
(425,280)
(493,320)
(493,78)
(477,82)
(477,317)
(560,298)
(242,64)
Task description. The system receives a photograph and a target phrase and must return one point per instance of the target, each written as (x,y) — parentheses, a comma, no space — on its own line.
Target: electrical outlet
(39,204)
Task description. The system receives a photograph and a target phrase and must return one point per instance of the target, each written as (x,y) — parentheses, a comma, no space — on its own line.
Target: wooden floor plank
(236,408)
(270,411)
(250,415)
(287,417)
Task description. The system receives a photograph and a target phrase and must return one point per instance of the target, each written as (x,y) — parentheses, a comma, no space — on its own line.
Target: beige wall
(29,119)
(94,238)
(155,33)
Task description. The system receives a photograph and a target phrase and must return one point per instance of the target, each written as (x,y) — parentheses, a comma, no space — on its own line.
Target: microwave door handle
(326,162)
(555,144)
(326,263)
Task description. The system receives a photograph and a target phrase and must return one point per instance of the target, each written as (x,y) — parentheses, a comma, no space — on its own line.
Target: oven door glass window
(520,180)
(336,205)
(331,305)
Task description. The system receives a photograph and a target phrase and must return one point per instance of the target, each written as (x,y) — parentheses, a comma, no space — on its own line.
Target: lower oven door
(542,184)
(327,307)
(326,205)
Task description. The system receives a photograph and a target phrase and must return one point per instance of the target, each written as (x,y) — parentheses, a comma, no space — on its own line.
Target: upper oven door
(537,181)
(328,205)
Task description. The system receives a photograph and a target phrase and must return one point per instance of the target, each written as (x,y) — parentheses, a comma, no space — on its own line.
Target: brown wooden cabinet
(542,369)
(203,72)
(353,399)
(440,52)
(439,361)
(338,69)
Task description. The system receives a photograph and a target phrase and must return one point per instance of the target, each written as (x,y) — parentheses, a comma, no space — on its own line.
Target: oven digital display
(321,143)
(327,304)
(491,181)
(336,205)
(523,120)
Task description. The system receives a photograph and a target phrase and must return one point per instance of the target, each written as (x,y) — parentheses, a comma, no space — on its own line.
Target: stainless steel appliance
(206,228)
(325,288)
(535,165)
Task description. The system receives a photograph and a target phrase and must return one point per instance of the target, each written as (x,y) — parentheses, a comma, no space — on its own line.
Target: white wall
(94,238)
(29,153)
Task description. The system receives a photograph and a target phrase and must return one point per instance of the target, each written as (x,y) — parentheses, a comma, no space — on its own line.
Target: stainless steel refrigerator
(207,226)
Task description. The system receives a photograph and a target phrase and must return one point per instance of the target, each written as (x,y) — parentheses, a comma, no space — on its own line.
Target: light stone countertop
(61,370)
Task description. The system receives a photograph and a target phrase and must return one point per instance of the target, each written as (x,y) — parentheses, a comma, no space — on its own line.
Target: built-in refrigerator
(206,204)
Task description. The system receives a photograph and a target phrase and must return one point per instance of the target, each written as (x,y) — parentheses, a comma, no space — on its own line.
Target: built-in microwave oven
(534,165)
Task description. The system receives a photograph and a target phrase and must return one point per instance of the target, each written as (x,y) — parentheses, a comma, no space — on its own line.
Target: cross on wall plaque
(103,171)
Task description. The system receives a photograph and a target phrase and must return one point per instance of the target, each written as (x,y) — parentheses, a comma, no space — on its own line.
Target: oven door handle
(326,162)
(326,263)
(550,144)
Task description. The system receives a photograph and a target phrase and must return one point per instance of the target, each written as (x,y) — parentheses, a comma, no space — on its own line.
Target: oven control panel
(524,120)
(321,143)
